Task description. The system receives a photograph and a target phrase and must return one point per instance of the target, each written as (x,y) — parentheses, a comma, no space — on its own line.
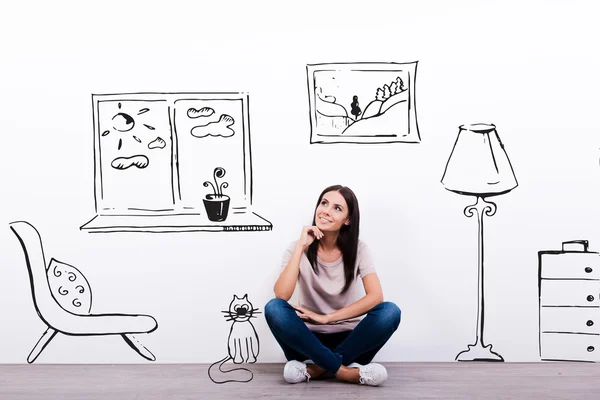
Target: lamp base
(478,352)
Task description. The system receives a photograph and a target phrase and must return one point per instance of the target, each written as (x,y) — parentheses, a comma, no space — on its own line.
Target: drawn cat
(242,343)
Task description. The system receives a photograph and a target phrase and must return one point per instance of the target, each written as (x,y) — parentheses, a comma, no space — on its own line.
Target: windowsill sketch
(62,298)
(363,102)
(156,156)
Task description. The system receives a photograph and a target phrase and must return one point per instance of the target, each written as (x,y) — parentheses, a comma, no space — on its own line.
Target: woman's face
(332,212)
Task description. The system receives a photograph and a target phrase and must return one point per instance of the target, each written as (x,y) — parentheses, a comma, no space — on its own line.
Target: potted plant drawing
(217,203)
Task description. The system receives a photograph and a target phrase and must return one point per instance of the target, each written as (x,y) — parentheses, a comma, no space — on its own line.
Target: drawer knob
(590,322)
(590,348)
(588,269)
(590,298)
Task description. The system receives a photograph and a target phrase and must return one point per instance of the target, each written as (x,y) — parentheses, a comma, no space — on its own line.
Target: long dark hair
(348,236)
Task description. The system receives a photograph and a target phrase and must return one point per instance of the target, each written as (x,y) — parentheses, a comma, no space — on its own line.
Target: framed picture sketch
(362,102)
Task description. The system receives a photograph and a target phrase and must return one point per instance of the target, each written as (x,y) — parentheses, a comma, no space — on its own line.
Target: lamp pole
(478,351)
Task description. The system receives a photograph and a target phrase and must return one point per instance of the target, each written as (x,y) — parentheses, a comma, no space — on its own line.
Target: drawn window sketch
(363,102)
(62,298)
(242,343)
(569,307)
(158,157)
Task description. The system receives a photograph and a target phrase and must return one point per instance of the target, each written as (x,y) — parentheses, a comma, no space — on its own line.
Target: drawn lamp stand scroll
(362,102)
(154,151)
(478,166)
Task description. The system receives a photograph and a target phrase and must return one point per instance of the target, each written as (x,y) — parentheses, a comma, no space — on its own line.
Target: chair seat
(104,324)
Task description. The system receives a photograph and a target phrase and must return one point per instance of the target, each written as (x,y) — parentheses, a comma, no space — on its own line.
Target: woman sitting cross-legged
(327,334)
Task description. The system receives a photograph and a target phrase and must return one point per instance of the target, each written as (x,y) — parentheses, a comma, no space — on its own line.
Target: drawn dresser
(569,304)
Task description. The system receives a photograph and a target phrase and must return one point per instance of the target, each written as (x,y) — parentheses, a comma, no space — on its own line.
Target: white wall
(531,68)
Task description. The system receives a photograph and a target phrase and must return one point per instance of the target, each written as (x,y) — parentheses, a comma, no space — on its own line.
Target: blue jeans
(331,350)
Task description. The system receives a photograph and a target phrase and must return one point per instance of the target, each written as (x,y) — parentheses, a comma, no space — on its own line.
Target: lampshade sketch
(479,166)
(242,343)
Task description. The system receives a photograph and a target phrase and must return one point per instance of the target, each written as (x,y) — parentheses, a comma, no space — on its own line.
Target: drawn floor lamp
(479,166)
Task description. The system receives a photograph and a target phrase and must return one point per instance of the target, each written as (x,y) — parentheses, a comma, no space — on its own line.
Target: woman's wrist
(300,247)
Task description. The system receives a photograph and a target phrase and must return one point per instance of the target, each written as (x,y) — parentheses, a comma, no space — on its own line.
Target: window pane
(135,153)
(210,135)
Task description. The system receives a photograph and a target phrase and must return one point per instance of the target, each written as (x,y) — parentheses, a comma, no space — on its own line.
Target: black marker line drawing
(220,127)
(242,344)
(152,151)
(62,298)
(217,203)
(364,102)
(479,166)
(569,307)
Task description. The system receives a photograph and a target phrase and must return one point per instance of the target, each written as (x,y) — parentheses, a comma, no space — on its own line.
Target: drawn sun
(123,122)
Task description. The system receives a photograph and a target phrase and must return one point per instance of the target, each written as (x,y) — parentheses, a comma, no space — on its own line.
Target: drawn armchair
(62,299)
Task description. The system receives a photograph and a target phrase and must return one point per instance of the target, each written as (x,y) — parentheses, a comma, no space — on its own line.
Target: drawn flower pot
(217,206)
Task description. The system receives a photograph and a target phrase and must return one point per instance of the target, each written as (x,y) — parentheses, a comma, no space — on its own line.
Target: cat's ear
(235,297)
(245,296)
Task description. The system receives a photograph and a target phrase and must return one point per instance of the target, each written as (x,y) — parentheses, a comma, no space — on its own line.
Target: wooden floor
(447,381)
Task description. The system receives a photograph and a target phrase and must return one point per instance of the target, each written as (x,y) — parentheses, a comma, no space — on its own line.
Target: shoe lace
(304,372)
(365,376)
(307,376)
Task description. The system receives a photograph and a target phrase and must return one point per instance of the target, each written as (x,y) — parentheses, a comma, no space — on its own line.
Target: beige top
(321,293)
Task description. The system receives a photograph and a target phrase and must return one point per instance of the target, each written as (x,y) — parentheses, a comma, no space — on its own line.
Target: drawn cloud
(215,128)
(202,112)
(139,161)
(157,143)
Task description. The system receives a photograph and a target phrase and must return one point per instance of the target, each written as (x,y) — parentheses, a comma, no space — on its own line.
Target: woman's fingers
(316,232)
(300,309)
(303,313)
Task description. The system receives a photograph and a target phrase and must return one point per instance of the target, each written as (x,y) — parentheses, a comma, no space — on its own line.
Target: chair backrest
(45,305)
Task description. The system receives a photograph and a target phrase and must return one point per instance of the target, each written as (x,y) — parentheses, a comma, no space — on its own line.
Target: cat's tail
(242,377)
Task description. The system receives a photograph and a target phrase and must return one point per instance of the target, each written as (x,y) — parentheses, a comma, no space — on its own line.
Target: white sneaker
(371,374)
(295,371)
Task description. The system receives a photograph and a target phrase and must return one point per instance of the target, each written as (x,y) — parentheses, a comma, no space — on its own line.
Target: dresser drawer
(570,319)
(570,293)
(570,265)
(571,347)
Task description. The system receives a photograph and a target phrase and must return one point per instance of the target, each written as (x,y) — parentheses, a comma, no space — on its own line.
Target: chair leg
(138,347)
(41,344)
